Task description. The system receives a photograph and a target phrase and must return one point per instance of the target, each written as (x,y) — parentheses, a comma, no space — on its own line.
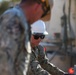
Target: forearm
(37,69)
(43,60)
(52,69)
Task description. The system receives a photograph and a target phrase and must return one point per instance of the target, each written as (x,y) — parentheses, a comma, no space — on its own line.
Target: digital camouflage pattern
(14,57)
(40,65)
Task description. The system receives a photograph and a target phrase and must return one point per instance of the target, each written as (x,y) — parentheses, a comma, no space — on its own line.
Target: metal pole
(75,22)
(69,11)
(65,29)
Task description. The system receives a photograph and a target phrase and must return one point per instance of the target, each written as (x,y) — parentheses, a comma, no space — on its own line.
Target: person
(15,49)
(39,63)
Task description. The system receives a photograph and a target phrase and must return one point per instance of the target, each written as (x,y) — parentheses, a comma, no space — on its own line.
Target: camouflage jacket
(14,38)
(40,65)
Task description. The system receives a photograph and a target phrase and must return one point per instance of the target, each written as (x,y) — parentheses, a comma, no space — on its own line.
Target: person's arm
(52,69)
(8,44)
(13,57)
(37,69)
(34,66)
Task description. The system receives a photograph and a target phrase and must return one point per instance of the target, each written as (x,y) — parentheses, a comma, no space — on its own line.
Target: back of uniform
(14,37)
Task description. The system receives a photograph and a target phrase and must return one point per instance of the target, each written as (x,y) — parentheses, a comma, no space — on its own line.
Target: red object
(45,49)
(71,71)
